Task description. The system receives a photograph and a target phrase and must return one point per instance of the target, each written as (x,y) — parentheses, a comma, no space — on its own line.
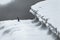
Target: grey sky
(18,8)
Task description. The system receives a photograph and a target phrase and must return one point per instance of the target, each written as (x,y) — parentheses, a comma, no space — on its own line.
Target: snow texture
(49,9)
(28,30)
(23,30)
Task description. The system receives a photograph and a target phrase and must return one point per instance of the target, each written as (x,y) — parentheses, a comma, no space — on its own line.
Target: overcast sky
(17,8)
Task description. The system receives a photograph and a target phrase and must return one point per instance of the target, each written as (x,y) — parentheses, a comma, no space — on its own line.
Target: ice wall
(49,9)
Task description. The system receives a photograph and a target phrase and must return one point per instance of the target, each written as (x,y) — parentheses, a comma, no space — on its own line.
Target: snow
(4,2)
(49,9)
(26,30)
(23,30)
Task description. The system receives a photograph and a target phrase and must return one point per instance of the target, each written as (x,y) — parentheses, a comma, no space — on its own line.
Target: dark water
(18,8)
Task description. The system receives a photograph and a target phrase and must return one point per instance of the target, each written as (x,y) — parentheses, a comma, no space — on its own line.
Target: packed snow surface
(23,30)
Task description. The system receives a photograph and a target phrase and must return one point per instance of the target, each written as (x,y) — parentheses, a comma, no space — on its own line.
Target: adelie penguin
(18,19)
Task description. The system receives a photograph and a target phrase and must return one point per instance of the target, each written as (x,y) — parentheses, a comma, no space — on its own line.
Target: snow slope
(23,30)
(49,9)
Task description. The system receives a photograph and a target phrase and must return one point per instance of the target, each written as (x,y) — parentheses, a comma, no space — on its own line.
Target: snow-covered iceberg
(49,9)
